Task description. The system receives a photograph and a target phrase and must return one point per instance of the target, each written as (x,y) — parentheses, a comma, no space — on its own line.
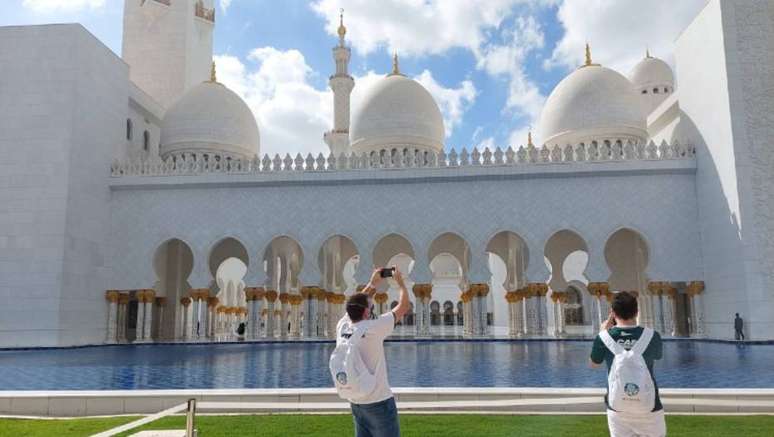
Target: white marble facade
(125,219)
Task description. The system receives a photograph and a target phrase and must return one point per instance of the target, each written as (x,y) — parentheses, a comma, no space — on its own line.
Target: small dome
(210,119)
(397,112)
(651,71)
(592,103)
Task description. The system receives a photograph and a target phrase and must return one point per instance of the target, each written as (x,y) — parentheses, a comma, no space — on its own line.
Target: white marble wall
(725,65)
(63,96)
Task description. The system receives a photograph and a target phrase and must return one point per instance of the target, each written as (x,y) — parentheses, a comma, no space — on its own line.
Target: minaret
(342,84)
(168,45)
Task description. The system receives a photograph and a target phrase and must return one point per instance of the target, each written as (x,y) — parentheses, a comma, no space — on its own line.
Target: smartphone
(387,272)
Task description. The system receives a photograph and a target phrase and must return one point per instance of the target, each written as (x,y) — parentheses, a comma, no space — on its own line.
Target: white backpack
(350,375)
(630,386)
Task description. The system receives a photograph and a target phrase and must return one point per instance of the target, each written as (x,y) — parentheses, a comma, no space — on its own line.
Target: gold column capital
(112,295)
(185,301)
(271,295)
(695,288)
(283,297)
(598,289)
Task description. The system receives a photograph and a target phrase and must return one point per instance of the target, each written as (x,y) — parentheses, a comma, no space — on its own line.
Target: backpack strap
(611,344)
(643,341)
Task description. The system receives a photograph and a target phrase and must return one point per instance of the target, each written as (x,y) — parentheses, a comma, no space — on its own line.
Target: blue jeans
(379,419)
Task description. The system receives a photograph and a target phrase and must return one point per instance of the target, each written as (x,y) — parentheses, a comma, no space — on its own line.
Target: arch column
(309,301)
(479,292)
(423,293)
(111,334)
(284,309)
(670,310)
(695,291)
(599,290)
(511,299)
(212,316)
(559,298)
(321,312)
(332,316)
(271,298)
(150,297)
(123,304)
(198,308)
(295,301)
(161,303)
(185,326)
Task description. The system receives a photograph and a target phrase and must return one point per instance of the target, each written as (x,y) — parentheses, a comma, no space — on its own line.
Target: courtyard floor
(442,425)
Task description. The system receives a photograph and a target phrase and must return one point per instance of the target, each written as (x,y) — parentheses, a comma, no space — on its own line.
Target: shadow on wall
(722,239)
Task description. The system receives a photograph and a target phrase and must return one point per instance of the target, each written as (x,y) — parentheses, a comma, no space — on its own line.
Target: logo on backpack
(341,378)
(630,388)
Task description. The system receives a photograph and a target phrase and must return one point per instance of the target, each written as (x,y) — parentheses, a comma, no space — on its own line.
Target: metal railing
(191,407)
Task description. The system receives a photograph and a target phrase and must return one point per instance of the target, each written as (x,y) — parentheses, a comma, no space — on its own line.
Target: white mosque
(136,206)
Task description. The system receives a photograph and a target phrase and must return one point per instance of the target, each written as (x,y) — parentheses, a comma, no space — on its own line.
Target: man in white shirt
(375,414)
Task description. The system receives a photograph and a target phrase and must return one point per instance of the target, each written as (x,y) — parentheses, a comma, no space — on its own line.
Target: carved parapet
(598,289)
(112,295)
(605,149)
(271,295)
(695,288)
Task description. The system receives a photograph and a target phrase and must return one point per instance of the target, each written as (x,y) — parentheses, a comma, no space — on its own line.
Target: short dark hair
(624,305)
(356,306)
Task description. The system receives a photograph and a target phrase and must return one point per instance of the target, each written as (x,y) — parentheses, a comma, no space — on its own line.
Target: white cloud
(453,102)
(292,114)
(417,27)
(49,6)
(224,4)
(619,31)
(525,101)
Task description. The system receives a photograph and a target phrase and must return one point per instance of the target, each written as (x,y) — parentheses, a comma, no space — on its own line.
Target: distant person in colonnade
(358,365)
(633,405)
(738,328)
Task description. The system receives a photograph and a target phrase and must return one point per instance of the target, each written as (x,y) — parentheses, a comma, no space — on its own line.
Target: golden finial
(529,138)
(588,55)
(342,29)
(213,76)
(395,66)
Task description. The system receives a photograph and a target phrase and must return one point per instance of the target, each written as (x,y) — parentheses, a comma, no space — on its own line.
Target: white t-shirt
(372,351)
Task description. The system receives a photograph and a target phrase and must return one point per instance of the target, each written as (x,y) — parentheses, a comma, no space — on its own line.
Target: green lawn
(411,426)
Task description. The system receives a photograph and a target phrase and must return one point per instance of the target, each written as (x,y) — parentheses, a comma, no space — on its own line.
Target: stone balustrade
(408,158)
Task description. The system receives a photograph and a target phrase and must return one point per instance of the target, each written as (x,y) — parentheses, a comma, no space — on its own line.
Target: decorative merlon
(583,153)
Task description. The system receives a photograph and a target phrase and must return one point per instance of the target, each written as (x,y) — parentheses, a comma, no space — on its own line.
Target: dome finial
(213,75)
(529,138)
(647,52)
(588,54)
(342,30)
(395,65)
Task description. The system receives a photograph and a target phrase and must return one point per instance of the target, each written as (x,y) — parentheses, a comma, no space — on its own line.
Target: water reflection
(411,364)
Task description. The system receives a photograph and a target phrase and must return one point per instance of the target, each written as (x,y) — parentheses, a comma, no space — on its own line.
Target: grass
(411,426)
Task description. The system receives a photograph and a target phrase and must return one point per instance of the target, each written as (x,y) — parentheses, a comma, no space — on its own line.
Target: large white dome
(397,112)
(592,103)
(210,119)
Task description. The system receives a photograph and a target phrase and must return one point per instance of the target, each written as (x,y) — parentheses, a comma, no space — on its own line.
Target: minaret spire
(588,55)
(395,65)
(213,74)
(342,30)
(342,84)
(588,62)
(647,52)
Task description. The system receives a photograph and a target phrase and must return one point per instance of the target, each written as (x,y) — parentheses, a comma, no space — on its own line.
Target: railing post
(190,418)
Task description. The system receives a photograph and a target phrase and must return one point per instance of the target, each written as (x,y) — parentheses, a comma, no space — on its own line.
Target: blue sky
(490,64)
